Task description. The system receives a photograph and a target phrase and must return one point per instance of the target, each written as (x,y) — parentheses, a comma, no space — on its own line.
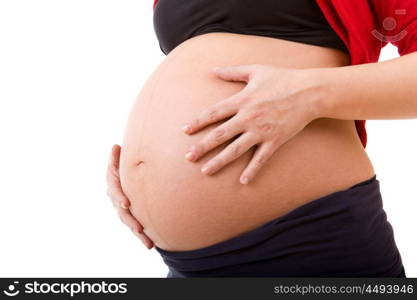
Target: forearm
(385,90)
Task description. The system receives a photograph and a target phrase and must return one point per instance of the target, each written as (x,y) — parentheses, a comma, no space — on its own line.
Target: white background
(69,73)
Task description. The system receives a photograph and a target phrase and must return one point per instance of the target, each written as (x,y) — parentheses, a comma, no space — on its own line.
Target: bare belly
(182,209)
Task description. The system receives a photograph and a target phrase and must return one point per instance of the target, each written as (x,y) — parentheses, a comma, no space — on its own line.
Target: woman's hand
(274,106)
(119,200)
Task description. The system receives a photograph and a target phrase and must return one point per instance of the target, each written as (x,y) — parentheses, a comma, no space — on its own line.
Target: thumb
(234,73)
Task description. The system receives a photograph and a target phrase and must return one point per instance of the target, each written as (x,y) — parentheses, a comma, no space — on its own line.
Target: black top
(296,20)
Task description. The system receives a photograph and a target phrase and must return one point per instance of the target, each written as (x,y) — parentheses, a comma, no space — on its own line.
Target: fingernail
(123,205)
(206,170)
(244,180)
(190,156)
(186,128)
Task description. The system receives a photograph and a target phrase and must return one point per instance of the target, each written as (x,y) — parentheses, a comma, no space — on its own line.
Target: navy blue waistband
(345,233)
(365,182)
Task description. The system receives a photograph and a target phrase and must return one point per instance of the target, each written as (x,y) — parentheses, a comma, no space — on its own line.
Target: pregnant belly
(182,209)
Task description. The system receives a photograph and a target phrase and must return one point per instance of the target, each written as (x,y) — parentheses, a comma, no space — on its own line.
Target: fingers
(235,73)
(115,156)
(145,240)
(215,113)
(129,220)
(230,153)
(216,137)
(119,200)
(261,155)
(114,188)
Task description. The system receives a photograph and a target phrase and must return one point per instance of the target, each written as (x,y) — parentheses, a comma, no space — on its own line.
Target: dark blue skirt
(343,234)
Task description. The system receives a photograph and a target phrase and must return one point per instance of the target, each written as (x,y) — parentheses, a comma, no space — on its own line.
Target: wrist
(320,90)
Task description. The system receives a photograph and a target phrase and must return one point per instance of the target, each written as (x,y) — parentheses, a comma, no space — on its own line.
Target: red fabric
(365,26)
